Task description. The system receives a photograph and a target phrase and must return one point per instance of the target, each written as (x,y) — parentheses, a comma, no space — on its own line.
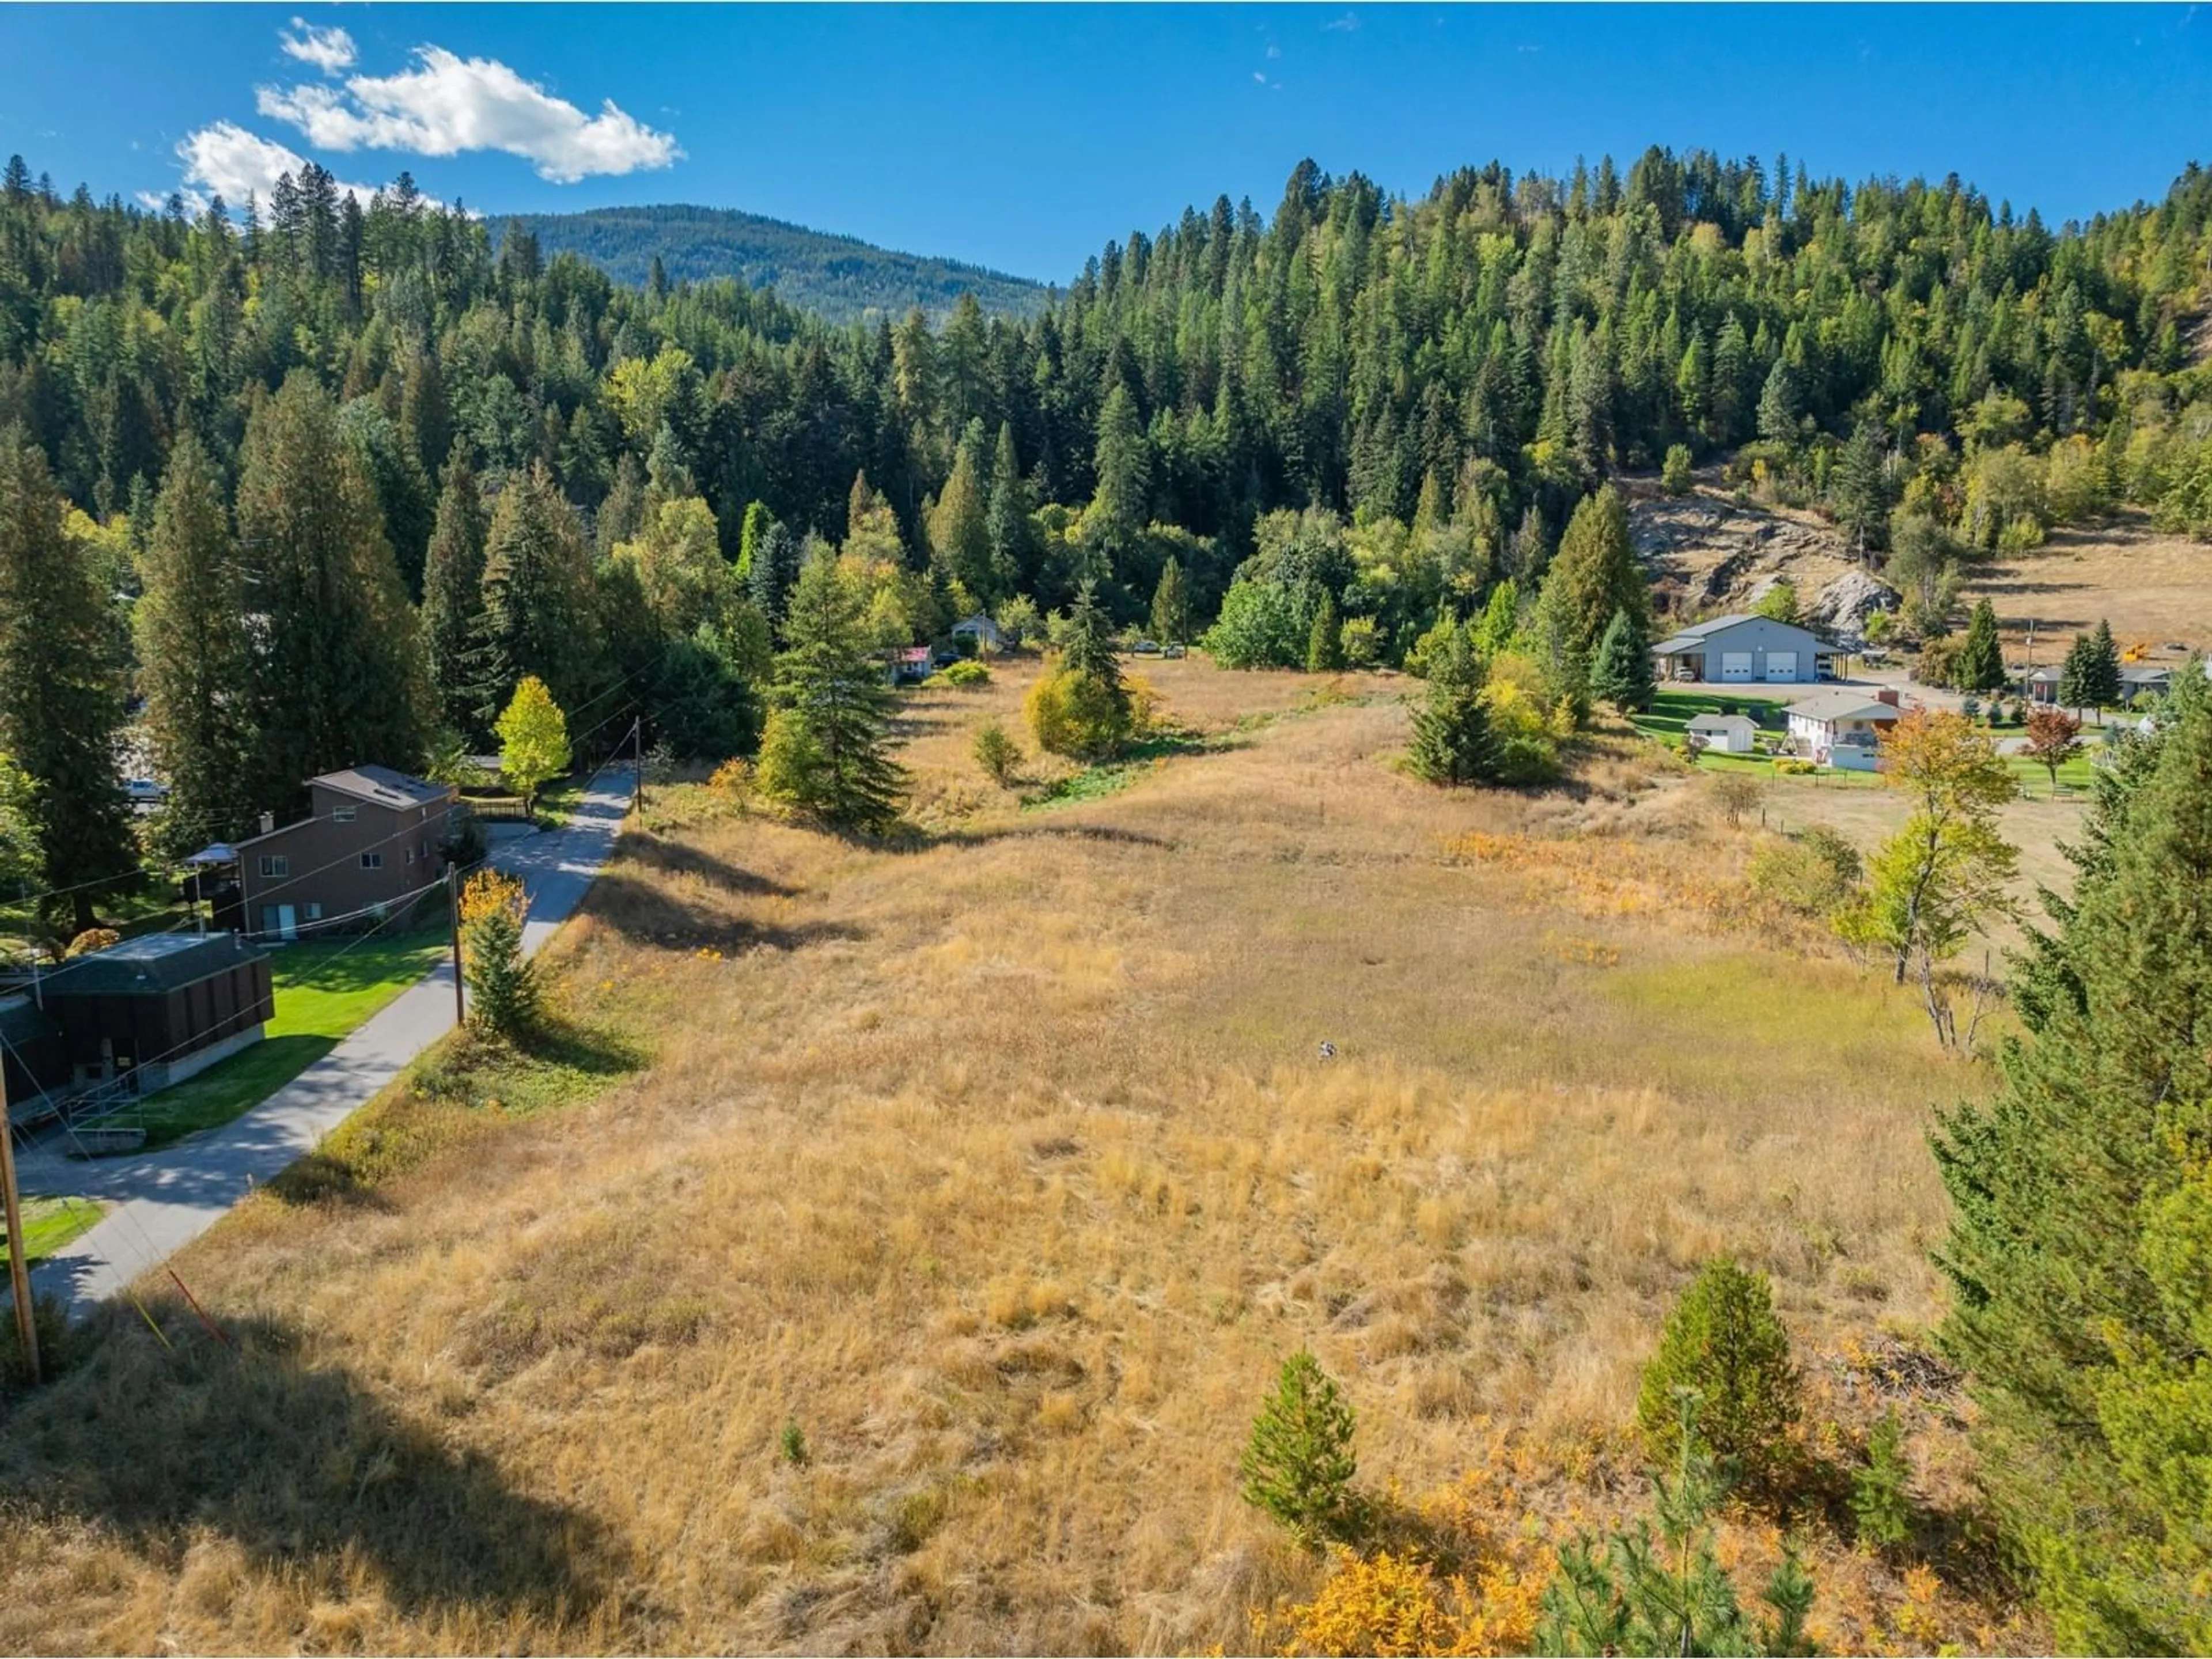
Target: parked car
(1172,651)
(1146,648)
(145,792)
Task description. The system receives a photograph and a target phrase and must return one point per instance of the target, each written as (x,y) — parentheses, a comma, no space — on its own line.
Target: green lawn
(50,1223)
(322,992)
(1673,711)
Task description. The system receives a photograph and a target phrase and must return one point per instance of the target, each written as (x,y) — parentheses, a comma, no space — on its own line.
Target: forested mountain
(839,278)
(1373,415)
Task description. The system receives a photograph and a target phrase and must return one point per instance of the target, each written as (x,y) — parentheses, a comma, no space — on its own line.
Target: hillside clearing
(1005,1164)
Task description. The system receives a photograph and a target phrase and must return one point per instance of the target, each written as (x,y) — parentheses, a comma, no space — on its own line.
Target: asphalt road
(163,1201)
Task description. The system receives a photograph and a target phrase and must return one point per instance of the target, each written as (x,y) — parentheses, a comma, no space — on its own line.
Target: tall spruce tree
(338,677)
(61,694)
(539,601)
(1452,741)
(1980,666)
(1860,491)
(1171,605)
(1006,520)
(196,655)
(2100,668)
(774,573)
(2076,1251)
(1595,573)
(452,597)
(1621,673)
(826,750)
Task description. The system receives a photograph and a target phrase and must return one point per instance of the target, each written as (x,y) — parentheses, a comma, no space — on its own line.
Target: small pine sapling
(1298,1464)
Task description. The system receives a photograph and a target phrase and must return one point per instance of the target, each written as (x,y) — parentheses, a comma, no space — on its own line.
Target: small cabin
(153,1011)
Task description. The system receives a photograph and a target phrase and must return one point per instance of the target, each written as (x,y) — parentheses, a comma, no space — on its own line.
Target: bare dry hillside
(2155,589)
(906,1235)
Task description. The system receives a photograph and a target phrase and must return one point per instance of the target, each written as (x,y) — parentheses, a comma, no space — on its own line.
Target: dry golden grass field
(2155,589)
(992,1174)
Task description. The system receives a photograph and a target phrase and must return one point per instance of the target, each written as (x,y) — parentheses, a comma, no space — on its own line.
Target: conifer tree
(2075,675)
(1299,1463)
(1980,666)
(758,519)
(1621,672)
(1325,640)
(1171,606)
(1779,406)
(1122,506)
(1595,573)
(774,573)
(1452,741)
(1007,525)
(1860,491)
(338,675)
(453,595)
(960,530)
(196,657)
(825,750)
(2100,668)
(2077,1252)
(540,612)
(61,701)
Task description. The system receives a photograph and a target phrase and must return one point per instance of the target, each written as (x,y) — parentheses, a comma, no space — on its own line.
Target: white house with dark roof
(1744,650)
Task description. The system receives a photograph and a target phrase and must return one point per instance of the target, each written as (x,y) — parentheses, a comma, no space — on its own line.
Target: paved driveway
(163,1201)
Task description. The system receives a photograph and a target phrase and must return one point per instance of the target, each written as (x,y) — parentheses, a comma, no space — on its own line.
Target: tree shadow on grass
(297,1462)
(678,858)
(644,914)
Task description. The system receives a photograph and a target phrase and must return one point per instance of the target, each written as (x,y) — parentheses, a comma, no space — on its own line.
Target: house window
(276,864)
(410,855)
(342,815)
(314,913)
(372,860)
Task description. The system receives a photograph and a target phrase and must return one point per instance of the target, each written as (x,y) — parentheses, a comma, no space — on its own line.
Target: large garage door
(1782,665)
(1736,665)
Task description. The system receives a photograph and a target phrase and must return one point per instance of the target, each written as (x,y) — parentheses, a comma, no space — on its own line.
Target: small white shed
(1726,734)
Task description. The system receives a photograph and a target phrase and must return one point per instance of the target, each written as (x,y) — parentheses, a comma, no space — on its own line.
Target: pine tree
(540,611)
(1780,406)
(1621,672)
(2076,673)
(774,571)
(1452,741)
(338,675)
(1006,523)
(1171,606)
(823,751)
(1980,666)
(453,595)
(1595,573)
(1299,1463)
(960,530)
(1531,554)
(2100,668)
(196,654)
(1325,640)
(61,702)
(2078,1308)
(1122,506)
(1860,491)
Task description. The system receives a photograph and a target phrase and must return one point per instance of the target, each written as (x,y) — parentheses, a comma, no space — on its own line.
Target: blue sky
(1023,137)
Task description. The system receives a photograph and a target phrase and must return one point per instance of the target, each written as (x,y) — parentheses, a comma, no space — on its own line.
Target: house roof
(2042,677)
(383,787)
(22,1021)
(1691,637)
(152,964)
(978,624)
(1829,707)
(914,653)
(1723,723)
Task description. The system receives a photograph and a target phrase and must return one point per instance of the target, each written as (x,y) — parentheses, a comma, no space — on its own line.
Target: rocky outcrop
(1709,553)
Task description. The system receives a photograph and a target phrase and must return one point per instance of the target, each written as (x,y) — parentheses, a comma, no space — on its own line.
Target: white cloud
(229,161)
(446,104)
(328,49)
(1347,24)
(1259,77)
(1274,51)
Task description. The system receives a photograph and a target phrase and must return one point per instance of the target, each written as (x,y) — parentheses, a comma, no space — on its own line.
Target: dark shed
(160,1007)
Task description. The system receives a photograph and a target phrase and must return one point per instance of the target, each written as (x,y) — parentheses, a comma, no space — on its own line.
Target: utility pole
(453,911)
(19,1266)
(637,761)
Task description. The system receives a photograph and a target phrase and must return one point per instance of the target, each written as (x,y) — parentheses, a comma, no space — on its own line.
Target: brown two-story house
(371,837)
